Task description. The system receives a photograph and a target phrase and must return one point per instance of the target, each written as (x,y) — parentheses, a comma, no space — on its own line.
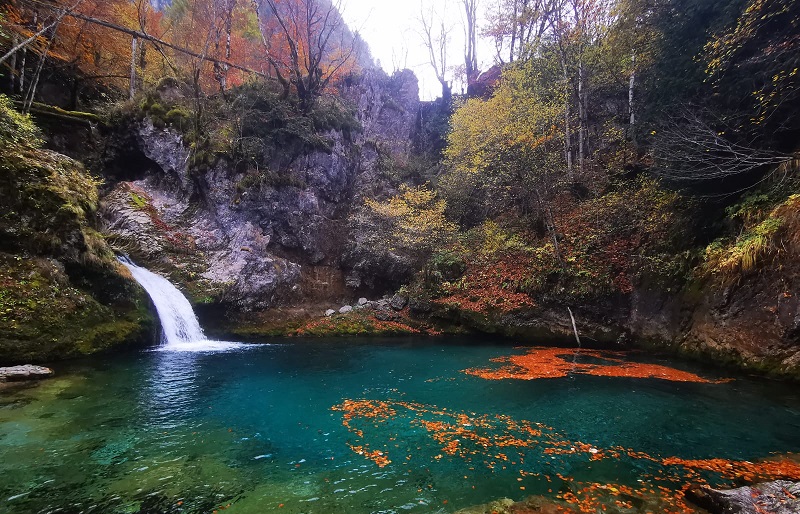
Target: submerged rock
(24,372)
(778,497)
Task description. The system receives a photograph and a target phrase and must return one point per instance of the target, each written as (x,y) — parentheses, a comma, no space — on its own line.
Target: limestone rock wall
(260,246)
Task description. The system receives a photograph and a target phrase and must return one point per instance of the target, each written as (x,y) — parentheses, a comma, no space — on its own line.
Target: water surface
(265,429)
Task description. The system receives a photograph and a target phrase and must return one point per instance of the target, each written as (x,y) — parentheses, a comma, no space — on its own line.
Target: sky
(392,30)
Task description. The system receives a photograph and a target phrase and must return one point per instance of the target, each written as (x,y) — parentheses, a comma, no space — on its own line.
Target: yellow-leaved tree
(412,223)
(507,152)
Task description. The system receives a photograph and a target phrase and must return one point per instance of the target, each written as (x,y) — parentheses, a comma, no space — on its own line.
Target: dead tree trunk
(631,99)
(26,107)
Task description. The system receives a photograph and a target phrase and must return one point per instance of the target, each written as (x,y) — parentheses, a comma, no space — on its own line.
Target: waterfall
(180,329)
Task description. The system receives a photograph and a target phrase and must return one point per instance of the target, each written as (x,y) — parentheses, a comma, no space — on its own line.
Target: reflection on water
(170,389)
(203,346)
(262,429)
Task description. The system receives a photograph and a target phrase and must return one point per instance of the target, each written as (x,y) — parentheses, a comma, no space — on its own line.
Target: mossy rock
(62,293)
(49,314)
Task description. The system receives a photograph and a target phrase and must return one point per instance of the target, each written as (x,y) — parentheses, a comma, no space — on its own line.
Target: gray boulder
(345,309)
(24,372)
(778,497)
(330,312)
(420,305)
(399,302)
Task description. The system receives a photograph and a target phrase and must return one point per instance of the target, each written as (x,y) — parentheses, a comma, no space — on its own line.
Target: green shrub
(17,129)
(177,116)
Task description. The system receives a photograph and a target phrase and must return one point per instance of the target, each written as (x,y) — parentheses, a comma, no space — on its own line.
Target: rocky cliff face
(62,293)
(752,324)
(253,244)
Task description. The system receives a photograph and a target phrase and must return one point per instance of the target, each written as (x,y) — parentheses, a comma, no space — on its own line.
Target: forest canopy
(212,44)
(602,123)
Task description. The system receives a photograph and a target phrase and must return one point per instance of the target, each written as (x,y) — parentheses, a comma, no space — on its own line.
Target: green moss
(63,113)
(16,129)
(62,293)
(355,323)
(137,200)
(178,116)
(45,315)
(48,198)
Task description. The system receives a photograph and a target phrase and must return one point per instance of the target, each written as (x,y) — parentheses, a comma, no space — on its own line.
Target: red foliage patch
(559,362)
(492,286)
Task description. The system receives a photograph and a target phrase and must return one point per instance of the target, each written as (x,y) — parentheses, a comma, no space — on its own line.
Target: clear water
(253,430)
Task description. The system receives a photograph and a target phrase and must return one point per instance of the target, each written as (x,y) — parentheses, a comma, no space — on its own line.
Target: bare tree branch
(690,150)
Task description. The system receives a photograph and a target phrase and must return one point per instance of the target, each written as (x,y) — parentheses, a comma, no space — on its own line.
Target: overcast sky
(392,30)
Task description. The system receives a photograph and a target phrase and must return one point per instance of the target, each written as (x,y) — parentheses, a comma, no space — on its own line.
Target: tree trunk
(228,30)
(447,92)
(134,41)
(567,128)
(22,70)
(12,74)
(522,38)
(514,22)
(142,58)
(25,54)
(26,107)
(631,99)
(470,57)
(581,117)
(549,222)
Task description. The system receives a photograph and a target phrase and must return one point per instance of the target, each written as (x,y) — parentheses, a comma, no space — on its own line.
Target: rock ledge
(25,372)
(779,497)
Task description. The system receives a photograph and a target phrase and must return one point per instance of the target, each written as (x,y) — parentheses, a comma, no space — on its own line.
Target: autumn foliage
(538,363)
(215,44)
(500,443)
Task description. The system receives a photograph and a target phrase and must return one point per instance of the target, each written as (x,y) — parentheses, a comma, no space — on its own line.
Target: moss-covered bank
(62,294)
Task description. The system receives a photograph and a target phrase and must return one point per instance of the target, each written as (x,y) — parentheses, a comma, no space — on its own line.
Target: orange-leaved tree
(308,44)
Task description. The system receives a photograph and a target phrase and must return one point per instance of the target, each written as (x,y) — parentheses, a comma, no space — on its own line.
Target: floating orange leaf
(543,362)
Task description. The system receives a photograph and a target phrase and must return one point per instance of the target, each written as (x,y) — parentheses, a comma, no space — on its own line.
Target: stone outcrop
(751,324)
(778,497)
(24,372)
(61,292)
(254,244)
(754,322)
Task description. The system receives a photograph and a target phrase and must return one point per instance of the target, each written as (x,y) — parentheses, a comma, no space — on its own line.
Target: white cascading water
(180,329)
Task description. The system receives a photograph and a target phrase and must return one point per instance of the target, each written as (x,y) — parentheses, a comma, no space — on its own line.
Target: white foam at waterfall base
(181,331)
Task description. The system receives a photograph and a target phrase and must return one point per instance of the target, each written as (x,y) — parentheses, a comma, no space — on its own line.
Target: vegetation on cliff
(61,292)
(619,150)
(624,149)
